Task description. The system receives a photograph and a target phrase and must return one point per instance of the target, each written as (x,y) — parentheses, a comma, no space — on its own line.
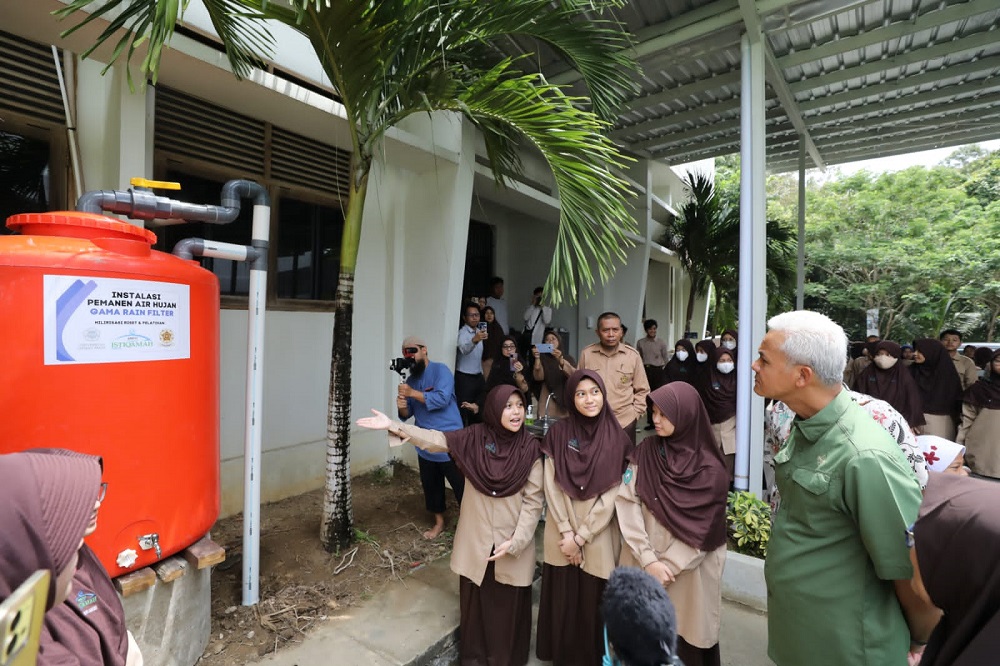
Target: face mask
(725,367)
(729,344)
(885,362)
(701,356)
(681,355)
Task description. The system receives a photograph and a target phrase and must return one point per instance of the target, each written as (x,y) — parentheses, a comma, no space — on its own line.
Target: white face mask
(729,344)
(681,355)
(725,367)
(701,356)
(885,362)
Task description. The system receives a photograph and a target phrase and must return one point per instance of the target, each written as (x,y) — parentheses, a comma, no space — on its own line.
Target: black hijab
(719,390)
(957,536)
(678,370)
(495,460)
(985,393)
(588,454)
(554,377)
(500,372)
(937,379)
(894,385)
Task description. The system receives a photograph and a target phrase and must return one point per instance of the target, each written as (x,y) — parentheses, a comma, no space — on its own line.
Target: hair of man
(815,340)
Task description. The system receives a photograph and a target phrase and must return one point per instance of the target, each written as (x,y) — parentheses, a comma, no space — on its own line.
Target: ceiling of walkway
(855,79)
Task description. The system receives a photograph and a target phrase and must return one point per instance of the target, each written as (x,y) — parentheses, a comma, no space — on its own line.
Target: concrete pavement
(413,622)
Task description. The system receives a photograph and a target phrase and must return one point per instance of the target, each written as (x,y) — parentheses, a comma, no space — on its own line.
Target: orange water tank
(112,348)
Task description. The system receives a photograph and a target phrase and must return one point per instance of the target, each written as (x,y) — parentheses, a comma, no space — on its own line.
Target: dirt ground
(301,584)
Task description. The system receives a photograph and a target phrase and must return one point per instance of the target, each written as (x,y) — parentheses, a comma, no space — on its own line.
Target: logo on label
(131,340)
(85,599)
(92,335)
(167,337)
(491,447)
(627,477)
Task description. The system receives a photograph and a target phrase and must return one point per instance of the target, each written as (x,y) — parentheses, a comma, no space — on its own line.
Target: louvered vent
(190,127)
(296,160)
(28,82)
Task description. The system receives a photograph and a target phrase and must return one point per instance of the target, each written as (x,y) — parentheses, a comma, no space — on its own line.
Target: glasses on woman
(104,491)
(510,346)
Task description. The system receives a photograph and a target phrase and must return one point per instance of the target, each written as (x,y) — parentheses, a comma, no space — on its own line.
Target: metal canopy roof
(856,79)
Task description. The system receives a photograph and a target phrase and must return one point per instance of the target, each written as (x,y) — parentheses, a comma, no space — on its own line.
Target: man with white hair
(838,570)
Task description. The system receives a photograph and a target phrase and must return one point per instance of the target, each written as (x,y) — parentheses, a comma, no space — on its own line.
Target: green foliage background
(921,244)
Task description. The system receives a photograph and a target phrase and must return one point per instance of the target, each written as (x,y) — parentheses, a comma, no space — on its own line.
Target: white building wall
(422,193)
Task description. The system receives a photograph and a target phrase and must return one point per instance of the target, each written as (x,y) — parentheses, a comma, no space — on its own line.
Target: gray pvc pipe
(145,205)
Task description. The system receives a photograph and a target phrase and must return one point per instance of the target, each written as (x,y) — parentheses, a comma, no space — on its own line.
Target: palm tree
(699,236)
(706,238)
(392,58)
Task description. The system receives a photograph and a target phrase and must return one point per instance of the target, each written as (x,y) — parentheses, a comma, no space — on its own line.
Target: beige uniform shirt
(486,522)
(697,590)
(967,370)
(980,432)
(592,519)
(624,378)
(653,352)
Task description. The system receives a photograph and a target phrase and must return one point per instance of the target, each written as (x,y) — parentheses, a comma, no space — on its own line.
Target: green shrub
(749,521)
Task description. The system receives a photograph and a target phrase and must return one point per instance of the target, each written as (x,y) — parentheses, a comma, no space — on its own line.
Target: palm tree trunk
(692,294)
(336,530)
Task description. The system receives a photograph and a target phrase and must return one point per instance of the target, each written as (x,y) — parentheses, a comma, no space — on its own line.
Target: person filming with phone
(428,395)
(508,368)
(550,370)
(470,385)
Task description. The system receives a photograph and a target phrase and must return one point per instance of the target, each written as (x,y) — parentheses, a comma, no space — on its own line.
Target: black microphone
(639,619)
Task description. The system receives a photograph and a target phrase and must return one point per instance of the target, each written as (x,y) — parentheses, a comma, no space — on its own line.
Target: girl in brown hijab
(956,538)
(718,392)
(672,512)
(46,503)
(939,386)
(88,628)
(494,550)
(888,379)
(585,457)
(980,431)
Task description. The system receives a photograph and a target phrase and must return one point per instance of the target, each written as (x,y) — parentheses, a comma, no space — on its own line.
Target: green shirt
(847,497)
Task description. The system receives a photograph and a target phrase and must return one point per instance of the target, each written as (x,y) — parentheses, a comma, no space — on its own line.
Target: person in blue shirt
(428,395)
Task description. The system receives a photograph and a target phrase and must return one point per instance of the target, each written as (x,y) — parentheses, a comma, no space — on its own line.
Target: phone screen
(544,348)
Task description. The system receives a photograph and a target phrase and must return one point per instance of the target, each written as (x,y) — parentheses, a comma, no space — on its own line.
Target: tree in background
(394,58)
(922,245)
(706,238)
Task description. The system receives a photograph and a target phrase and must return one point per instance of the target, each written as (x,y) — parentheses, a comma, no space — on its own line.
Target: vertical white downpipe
(254,397)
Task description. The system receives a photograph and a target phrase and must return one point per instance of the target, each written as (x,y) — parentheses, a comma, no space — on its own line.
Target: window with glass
(25,176)
(308,249)
(234,276)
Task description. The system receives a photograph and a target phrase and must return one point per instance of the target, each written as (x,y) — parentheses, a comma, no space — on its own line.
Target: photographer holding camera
(428,395)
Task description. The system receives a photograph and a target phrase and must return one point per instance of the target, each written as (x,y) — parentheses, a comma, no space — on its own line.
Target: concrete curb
(743,581)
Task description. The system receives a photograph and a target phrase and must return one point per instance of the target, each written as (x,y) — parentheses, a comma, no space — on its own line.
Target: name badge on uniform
(574,444)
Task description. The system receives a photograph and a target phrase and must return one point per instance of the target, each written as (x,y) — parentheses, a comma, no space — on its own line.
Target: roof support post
(800,264)
(753,233)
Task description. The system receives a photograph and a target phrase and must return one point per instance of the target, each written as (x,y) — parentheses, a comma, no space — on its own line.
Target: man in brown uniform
(620,366)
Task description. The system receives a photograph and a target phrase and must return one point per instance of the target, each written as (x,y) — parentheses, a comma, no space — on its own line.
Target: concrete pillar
(410,267)
(115,127)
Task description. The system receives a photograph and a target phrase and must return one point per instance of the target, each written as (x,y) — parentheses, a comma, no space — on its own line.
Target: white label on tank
(106,320)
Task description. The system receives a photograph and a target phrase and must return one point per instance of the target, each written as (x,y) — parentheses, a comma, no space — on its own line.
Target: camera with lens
(401,366)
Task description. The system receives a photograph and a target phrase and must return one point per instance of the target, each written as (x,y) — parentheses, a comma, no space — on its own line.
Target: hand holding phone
(513,361)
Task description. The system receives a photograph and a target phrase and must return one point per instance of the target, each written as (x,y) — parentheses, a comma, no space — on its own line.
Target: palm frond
(152,23)
(594,221)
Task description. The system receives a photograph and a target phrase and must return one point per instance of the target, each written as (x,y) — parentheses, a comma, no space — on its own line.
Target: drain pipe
(143,204)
